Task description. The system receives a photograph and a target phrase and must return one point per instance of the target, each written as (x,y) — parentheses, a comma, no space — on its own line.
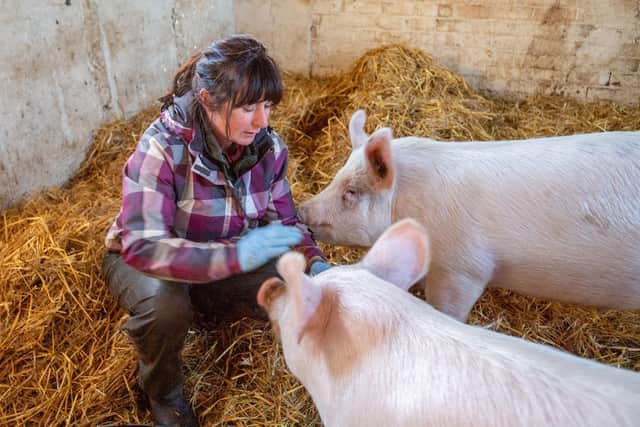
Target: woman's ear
(203,96)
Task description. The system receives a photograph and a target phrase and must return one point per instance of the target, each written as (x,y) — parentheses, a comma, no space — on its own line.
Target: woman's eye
(252,107)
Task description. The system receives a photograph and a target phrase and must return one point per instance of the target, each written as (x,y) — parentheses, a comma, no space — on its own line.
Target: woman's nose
(261,116)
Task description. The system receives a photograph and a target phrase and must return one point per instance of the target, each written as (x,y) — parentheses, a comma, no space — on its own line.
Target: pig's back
(561,211)
(438,371)
(537,384)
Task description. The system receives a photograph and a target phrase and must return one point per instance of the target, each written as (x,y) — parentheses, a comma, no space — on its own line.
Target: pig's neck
(413,180)
(346,358)
(353,359)
(358,359)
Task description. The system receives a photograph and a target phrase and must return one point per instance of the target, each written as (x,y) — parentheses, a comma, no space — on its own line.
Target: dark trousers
(161,312)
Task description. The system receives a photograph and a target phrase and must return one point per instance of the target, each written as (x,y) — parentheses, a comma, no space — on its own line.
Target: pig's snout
(305,214)
(316,218)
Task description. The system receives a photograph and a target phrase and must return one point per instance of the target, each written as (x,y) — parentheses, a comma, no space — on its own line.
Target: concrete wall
(68,66)
(286,28)
(587,49)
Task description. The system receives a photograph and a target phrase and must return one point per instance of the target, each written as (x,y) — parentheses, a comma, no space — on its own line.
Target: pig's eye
(350,196)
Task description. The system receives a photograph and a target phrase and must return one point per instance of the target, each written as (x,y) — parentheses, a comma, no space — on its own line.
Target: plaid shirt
(181,217)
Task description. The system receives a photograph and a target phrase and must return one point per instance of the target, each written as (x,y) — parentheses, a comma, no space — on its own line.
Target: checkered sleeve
(147,214)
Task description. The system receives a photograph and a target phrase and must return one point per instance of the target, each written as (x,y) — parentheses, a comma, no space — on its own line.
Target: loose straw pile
(63,358)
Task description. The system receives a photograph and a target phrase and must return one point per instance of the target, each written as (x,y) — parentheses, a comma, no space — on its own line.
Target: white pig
(557,218)
(371,354)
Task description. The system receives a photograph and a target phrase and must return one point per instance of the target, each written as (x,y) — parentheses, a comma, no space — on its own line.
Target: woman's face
(244,123)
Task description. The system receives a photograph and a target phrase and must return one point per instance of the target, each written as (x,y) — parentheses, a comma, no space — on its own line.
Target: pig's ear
(304,296)
(356,129)
(379,161)
(401,255)
(268,292)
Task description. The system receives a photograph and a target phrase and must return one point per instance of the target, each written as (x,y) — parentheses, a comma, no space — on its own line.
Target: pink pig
(371,354)
(556,218)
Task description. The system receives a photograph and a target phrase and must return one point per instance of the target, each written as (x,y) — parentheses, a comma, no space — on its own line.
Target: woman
(206,209)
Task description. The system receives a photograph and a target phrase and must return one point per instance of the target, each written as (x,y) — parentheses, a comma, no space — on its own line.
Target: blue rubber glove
(264,243)
(318,267)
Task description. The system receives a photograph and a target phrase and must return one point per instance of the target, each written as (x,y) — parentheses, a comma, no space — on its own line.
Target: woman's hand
(262,244)
(318,267)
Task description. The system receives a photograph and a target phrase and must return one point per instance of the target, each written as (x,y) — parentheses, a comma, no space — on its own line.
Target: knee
(164,311)
(171,306)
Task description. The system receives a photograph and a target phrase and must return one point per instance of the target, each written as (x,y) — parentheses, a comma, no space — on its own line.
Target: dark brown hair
(235,69)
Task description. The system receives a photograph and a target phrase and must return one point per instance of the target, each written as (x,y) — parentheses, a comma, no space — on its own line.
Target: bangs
(261,82)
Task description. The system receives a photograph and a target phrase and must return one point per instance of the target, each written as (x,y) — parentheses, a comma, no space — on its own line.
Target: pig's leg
(454,293)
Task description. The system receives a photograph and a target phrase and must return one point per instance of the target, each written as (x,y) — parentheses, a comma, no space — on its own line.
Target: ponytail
(181,81)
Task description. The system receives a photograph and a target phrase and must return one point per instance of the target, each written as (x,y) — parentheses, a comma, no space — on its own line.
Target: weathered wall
(70,65)
(588,49)
(284,26)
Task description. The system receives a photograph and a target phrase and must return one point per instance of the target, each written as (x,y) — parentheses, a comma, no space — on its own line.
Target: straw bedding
(63,359)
